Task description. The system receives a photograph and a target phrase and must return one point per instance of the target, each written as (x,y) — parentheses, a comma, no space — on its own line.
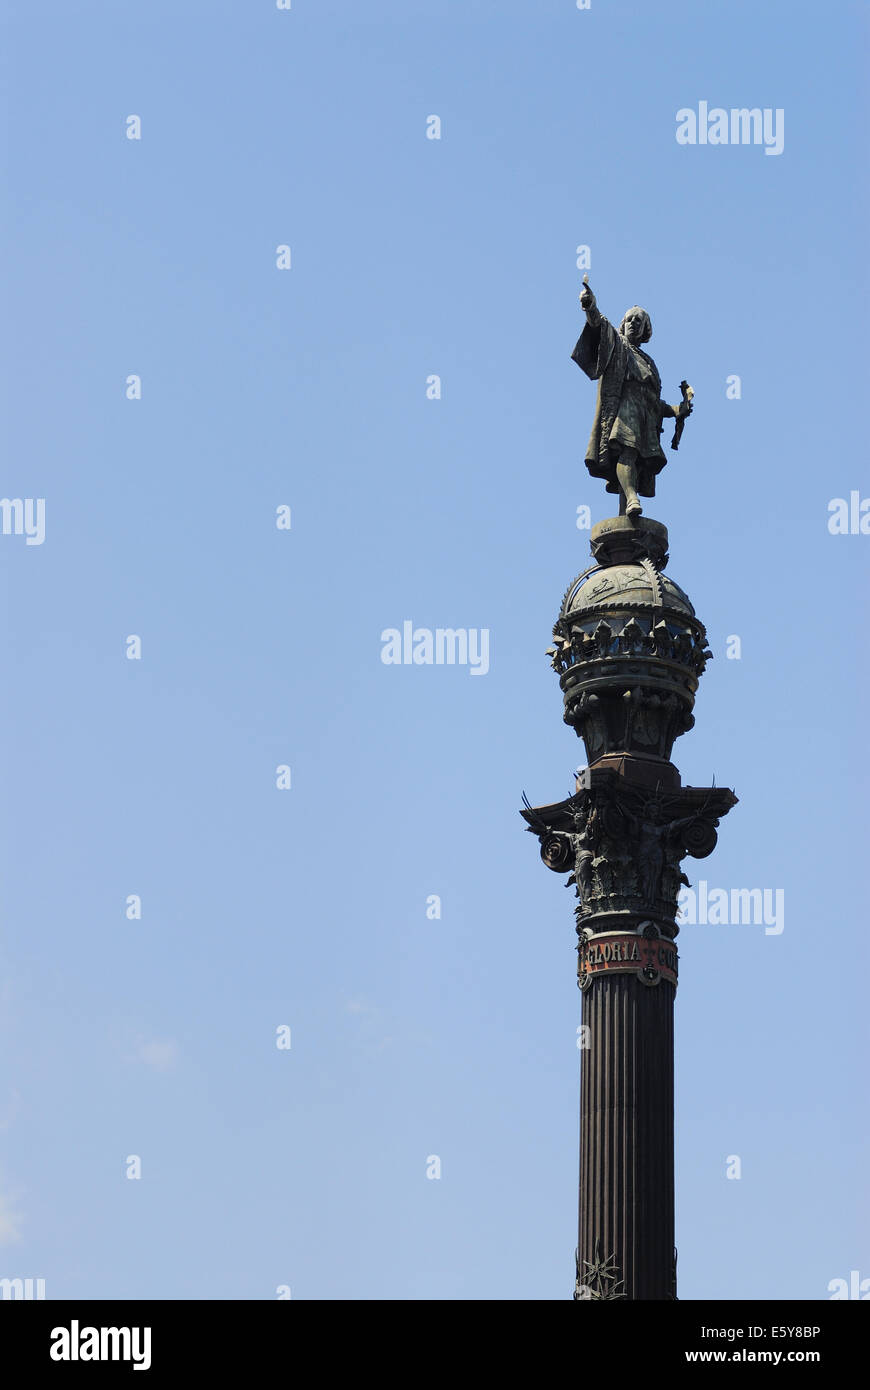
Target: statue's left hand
(683,409)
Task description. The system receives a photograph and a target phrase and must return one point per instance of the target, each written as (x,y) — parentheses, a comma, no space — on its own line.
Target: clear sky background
(260,387)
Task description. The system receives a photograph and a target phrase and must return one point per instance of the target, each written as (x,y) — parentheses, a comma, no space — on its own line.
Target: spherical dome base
(628,646)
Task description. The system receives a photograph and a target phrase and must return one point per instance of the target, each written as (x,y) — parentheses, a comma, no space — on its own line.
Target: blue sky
(307,387)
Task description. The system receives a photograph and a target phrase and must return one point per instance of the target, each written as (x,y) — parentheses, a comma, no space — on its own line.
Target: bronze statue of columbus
(624,446)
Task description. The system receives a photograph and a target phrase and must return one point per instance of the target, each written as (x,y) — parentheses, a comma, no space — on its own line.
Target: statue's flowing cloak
(628,409)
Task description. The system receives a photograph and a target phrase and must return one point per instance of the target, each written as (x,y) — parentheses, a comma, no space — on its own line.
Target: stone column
(625,1246)
(629,651)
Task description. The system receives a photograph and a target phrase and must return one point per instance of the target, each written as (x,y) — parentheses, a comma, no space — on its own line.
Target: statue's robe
(628,412)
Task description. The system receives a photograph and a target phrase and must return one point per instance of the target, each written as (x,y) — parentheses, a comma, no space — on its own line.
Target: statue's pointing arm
(590,307)
(595,343)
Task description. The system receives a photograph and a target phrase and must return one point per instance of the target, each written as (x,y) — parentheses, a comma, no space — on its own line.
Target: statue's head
(636,326)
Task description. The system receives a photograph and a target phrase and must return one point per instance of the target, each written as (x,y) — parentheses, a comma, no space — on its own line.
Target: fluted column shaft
(626,1225)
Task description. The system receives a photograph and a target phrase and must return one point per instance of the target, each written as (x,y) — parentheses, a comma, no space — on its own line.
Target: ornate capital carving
(623,845)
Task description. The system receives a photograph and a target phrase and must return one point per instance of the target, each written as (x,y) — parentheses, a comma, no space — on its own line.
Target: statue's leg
(626,476)
(583,876)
